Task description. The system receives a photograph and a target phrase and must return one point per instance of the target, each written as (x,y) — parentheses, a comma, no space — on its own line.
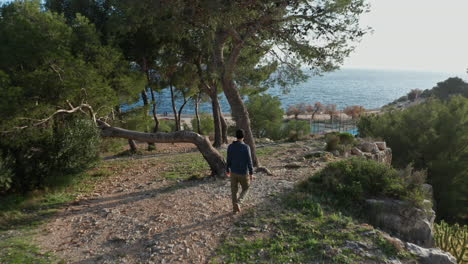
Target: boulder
(357,152)
(264,170)
(403,220)
(368,147)
(381,145)
(423,255)
(430,255)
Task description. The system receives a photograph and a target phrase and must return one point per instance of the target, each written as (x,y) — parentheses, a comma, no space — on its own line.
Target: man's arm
(228,160)
(249,161)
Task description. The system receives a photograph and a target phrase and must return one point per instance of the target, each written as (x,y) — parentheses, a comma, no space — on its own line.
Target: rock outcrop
(377,151)
(403,220)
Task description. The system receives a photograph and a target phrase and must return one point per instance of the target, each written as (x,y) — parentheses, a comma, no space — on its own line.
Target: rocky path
(141,218)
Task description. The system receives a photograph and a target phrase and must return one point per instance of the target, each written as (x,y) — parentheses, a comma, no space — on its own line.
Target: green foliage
(49,157)
(452,238)
(295,130)
(6,173)
(206,124)
(353,180)
(432,136)
(266,116)
(339,141)
(450,87)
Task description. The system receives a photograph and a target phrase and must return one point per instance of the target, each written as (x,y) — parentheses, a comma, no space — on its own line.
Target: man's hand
(228,174)
(251,177)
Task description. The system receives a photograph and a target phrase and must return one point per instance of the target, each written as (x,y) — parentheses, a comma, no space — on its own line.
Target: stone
(430,255)
(264,170)
(357,152)
(293,165)
(368,147)
(403,220)
(381,145)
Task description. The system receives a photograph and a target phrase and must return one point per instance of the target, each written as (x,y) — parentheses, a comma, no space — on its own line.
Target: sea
(371,89)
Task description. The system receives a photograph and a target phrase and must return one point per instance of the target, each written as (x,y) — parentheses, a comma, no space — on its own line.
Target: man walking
(239,163)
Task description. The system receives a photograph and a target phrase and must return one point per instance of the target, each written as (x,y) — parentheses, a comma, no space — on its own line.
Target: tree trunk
(241,115)
(180,112)
(144,96)
(197,116)
(212,156)
(177,125)
(226,70)
(131,143)
(224,127)
(216,120)
(133,146)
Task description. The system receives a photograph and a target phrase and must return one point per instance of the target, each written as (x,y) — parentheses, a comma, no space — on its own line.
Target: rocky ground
(139,216)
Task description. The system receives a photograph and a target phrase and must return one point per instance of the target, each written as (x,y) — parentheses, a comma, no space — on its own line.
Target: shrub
(414,94)
(166,126)
(48,157)
(357,179)
(432,136)
(266,116)
(339,141)
(6,174)
(296,130)
(206,124)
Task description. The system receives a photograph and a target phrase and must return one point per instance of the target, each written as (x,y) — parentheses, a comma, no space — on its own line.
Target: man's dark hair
(240,133)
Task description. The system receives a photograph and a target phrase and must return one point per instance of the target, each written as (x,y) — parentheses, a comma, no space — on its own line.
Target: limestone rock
(403,220)
(264,170)
(431,255)
(368,147)
(357,152)
(381,145)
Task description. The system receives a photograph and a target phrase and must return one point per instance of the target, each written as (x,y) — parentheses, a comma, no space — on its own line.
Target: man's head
(240,134)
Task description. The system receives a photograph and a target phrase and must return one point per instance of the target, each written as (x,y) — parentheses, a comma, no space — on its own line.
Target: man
(239,163)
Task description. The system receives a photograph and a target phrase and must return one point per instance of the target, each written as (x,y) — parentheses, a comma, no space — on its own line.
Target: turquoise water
(368,88)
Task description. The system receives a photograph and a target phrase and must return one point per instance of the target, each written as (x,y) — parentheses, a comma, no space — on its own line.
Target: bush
(266,116)
(354,180)
(339,141)
(295,130)
(432,136)
(6,174)
(166,126)
(48,157)
(206,124)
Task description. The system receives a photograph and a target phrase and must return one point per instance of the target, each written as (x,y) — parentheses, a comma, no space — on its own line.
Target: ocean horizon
(370,88)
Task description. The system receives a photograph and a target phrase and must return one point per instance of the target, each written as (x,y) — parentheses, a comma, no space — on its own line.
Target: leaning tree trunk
(226,68)
(224,127)
(240,112)
(216,120)
(197,116)
(211,155)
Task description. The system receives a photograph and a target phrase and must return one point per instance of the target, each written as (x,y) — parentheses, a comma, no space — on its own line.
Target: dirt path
(141,218)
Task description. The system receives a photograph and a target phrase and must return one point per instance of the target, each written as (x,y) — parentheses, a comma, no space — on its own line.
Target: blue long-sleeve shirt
(239,159)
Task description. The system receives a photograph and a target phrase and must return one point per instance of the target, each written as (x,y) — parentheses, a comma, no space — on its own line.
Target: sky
(420,35)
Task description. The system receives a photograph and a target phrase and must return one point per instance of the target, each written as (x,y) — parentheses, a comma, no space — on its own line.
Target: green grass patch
(267,151)
(300,227)
(21,215)
(185,166)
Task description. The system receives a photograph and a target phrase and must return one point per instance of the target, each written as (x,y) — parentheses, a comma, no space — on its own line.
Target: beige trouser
(244,181)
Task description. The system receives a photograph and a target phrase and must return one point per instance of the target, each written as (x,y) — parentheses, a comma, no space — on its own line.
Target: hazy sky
(423,35)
